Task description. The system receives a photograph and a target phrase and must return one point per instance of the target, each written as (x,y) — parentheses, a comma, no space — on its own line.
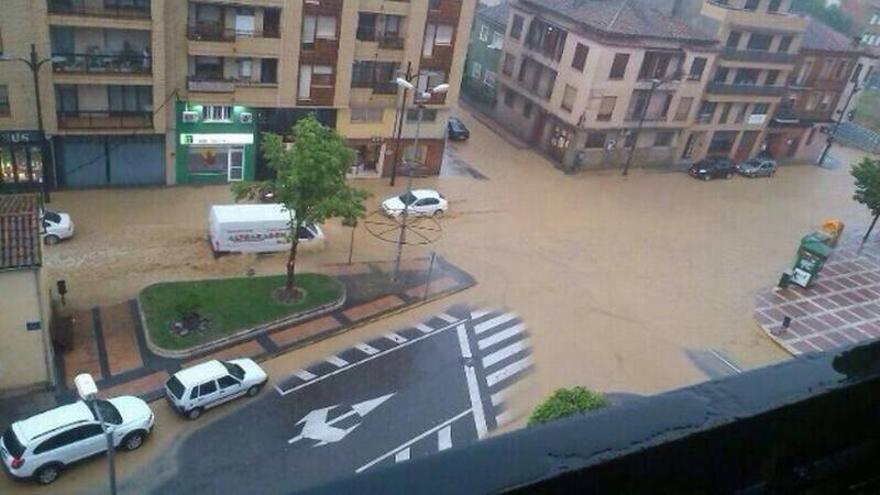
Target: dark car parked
(712,168)
(456,130)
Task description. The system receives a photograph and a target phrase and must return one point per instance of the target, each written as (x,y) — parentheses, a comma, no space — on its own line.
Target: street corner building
(25,353)
(155,92)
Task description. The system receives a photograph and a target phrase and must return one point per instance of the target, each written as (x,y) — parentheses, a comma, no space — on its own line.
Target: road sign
(316,426)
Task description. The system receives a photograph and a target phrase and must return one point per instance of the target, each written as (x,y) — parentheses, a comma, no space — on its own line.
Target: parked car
(192,390)
(420,202)
(456,130)
(43,445)
(56,226)
(712,168)
(757,167)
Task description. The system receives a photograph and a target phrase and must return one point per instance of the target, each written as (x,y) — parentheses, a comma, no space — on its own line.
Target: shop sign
(216,139)
(16,137)
(757,119)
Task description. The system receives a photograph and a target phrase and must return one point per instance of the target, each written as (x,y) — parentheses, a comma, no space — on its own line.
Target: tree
(867,175)
(310,182)
(831,15)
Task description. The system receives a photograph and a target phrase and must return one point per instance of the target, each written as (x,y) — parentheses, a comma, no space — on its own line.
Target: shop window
(560,137)
(217,113)
(220,160)
(21,164)
(722,142)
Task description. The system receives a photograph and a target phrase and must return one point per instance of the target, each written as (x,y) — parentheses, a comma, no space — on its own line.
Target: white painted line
(505,352)
(337,361)
(365,360)
(304,375)
(725,361)
(505,393)
(508,371)
(494,322)
(503,418)
(473,386)
(393,337)
(501,336)
(424,328)
(480,313)
(402,456)
(444,438)
(449,319)
(412,441)
(367,349)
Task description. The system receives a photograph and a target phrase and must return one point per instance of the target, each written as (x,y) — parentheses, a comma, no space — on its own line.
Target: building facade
(143,92)
(484,53)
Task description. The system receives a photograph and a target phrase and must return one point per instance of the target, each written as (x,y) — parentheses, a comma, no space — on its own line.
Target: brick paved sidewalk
(109,341)
(842,308)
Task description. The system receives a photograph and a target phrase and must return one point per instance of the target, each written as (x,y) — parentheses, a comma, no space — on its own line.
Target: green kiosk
(811,257)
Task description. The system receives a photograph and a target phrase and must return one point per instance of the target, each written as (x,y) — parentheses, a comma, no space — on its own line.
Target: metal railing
(744,89)
(210,84)
(103,9)
(388,41)
(105,119)
(121,63)
(758,56)
(216,32)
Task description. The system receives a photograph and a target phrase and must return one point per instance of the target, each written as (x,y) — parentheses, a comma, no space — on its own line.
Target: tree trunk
(870,229)
(291,259)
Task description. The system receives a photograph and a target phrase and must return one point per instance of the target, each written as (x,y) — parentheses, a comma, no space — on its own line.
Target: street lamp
(654,84)
(88,391)
(408,84)
(837,125)
(34,65)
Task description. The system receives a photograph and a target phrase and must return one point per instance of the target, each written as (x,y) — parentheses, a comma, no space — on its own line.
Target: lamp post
(654,84)
(837,125)
(34,64)
(419,100)
(88,391)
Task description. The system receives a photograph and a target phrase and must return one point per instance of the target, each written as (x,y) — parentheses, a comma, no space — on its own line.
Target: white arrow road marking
(316,426)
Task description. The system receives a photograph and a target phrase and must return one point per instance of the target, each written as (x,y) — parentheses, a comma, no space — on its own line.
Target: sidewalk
(479,114)
(109,341)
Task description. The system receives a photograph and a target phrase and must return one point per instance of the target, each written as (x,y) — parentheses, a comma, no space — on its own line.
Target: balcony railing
(105,119)
(744,89)
(387,41)
(758,56)
(208,84)
(215,32)
(391,42)
(384,88)
(100,9)
(127,63)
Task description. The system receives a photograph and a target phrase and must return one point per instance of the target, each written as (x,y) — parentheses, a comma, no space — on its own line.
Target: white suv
(42,445)
(192,390)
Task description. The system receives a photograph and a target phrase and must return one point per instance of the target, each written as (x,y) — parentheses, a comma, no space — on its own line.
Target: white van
(255,228)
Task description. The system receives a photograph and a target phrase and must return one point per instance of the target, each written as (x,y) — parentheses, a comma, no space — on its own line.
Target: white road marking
(473,386)
(362,361)
(502,335)
(505,393)
(508,371)
(480,313)
(505,352)
(444,438)
(393,337)
(725,361)
(494,322)
(503,418)
(449,319)
(337,361)
(412,441)
(304,375)
(402,456)
(367,349)
(316,426)
(424,328)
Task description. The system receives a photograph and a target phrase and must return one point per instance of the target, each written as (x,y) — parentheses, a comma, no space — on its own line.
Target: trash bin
(834,229)
(811,257)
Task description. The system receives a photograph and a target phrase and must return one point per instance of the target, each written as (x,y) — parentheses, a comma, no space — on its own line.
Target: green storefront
(215,143)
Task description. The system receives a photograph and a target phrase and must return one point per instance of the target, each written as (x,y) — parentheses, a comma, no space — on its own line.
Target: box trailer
(255,228)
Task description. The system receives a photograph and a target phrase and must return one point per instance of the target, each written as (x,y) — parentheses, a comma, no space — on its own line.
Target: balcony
(744,89)
(101,8)
(104,119)
(778,21)
(383,88)
(759,56)
(206,84)
(216,32)
(80,63)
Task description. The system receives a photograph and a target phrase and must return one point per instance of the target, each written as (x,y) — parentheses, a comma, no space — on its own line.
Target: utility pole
(837,125)
(654,84)
(400,117)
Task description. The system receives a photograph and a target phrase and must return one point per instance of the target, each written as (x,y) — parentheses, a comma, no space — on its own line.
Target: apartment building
(484,53)
(178,91)
(817,93)
(590,82)
(760,40)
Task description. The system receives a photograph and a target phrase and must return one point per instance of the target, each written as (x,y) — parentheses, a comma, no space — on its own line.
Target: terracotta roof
(640,18)
(820,36)
(19,231)
(496,13)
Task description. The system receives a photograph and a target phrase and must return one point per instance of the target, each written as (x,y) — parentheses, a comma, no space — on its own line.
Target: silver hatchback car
(757,167)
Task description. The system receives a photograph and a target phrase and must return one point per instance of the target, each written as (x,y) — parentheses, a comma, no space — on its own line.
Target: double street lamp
(655,83)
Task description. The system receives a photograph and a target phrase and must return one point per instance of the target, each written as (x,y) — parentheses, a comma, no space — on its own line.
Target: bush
(187,306)
(565,402)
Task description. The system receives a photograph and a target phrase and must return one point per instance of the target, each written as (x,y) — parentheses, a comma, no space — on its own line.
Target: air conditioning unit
(247,117)
(190,117)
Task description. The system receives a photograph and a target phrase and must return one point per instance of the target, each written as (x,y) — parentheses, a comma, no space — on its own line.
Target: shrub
(565,402)
(187,306)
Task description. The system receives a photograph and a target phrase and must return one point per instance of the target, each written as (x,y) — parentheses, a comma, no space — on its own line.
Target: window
(761,109)
(4,100)
(245,68)
(271,23)
(810,136)
(318,28)
(497,40)
(697,68)
(759,41)
(746,76)
(516,27)
(509,98)
(207,388)
(108,412)
(663,138)
(772,77)
(580,57)
(484,33)
(684,108)
(434,4)
(774,6)
(244,21)
(428,115)
(209,68)
(784,44)
(366,27)
(721,75)
(507,65)
(740,113)
(269,71)
(216,113)
(825,104)
(444,35)
(841,69)
(595,140)
(618,68)
(527,109)
(366,115)
(827,68)
(476,71)
(725,113)
(606,108)
(227,381)
(130,98)
(314,76)
(722,142)
(707,111)
(568,98)
(856,73)
(874,19)
(489,78)
(733,39)
(806,70)
(751,4)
